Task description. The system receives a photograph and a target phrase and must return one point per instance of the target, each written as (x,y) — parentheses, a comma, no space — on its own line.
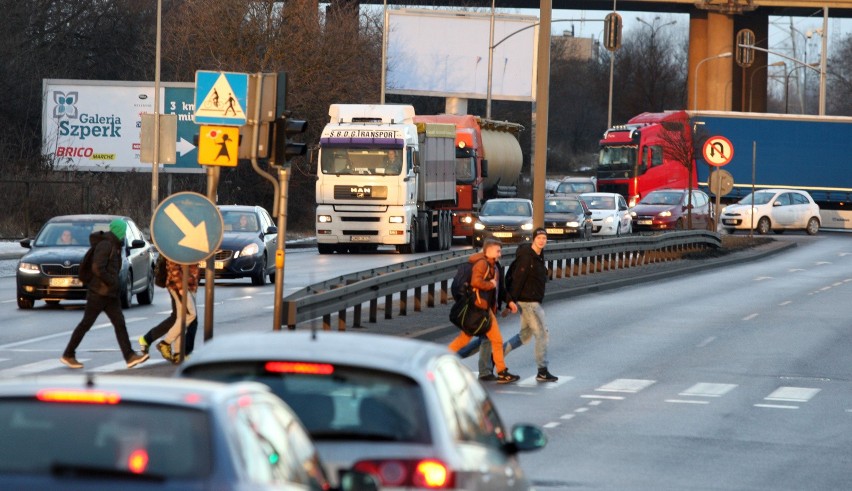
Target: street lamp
(786,87)
(653,25)
(751,82)
(695,82)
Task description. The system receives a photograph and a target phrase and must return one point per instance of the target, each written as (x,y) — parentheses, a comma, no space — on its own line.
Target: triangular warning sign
(221,102)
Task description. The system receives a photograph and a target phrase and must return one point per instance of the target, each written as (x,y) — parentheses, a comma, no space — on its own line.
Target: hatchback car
(609,213)
(132,433)
(249,242)
(509,220)
(667,209)
(50,270)
(573,186)
(567,217)
(773,209)
(404,410)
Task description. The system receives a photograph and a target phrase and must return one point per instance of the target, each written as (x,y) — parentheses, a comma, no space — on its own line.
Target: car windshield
(68,233)
(662,198)
(562,206)
(338,402)
(506,208)
(600,202)
(103,440)
(760,198)
(239,221)
(575,188)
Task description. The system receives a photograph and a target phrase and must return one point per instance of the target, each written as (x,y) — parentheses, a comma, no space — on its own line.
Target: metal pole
(384,52)
(541,109)
(184,285)
(490,64)
(155,165)
(210,269)
(280,253)
(753,177)
(822,61)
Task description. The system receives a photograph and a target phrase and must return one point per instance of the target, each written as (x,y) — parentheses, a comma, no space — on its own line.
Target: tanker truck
(383,179)
(488,164)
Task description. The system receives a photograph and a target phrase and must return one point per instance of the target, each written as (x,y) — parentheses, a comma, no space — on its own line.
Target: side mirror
(588,213)
(136,244)
(26,243)
(358,481)
(271,230)
(776,203)
(526,437)
(484,167)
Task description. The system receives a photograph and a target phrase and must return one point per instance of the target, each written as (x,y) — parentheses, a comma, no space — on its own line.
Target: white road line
(750,317)
(686,401)
(611,398)
(704,389)
(581,410)
(705,342)
(792,394)
(761,278)
(822,263)
(776,406)
(551,425)
(532,382)
(247,297)
(569,416)
(628,385)
(794,270)
(825,288)
(785,302)
(37,367)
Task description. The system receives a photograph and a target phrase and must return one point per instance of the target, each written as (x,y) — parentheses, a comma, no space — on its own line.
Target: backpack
(85,272)
(461,281)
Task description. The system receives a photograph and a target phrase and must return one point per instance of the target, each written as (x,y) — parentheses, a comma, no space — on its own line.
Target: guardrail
(564,260)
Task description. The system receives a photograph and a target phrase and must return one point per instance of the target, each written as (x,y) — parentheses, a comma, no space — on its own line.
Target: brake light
(78,396)
(428,474)
(299,367)
(137,461)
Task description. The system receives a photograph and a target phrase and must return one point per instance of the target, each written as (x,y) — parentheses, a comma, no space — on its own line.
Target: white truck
(384,180)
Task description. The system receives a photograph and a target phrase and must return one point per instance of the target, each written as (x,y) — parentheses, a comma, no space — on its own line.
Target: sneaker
(143,345)
(136,358)
(488,377)
(175,358)
(165,349)
(545,376)
(505,377)
(71,362)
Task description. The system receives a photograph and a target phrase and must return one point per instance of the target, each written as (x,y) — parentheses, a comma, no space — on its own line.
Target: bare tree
(840,79)
(680,147)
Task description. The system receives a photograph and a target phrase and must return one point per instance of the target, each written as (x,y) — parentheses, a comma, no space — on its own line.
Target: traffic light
(283,148)
(612,31)
(745,48)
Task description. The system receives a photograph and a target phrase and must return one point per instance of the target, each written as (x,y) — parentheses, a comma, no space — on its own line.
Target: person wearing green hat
(103,295)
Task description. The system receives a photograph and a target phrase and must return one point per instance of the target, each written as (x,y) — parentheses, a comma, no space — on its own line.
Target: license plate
(503,235)
(729,222)
(359,238)
(216,264)
(65,282)
(554,230)
(644,222)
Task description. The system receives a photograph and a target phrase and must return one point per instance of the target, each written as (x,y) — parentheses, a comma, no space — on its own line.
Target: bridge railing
(433,273)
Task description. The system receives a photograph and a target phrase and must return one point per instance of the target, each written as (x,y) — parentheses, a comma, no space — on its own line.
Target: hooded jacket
(484,270)
(106,264)
(529,275)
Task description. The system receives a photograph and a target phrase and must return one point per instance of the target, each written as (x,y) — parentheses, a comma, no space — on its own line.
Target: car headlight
(609,219)
(632,213)
(478,226)
(527,226)
(466,219)
(666,213)
(324,218)
(28,268)
(248,250)
(396,219)
(572,224)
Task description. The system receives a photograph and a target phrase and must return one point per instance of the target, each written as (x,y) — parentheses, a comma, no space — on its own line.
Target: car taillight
(78,396)
(298,367)
(137,461)
(427,473)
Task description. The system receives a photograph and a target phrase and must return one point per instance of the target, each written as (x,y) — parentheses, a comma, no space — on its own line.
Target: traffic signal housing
(283,147)
(612,31)
(745,48)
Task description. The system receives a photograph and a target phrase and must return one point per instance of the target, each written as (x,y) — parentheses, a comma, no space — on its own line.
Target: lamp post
(695,82)
(654,27)
(786,87)
(751,82)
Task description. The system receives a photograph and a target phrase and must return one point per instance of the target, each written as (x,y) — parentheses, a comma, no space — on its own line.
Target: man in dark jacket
(103,295)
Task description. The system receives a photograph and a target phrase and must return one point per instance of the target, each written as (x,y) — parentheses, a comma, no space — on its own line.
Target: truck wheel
(813,226)
(325,248)
(763,226)
(409,248)
(433,230)
(424,227)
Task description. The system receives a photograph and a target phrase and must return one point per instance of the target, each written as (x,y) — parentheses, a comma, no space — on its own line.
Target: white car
(774,209)
(610,215)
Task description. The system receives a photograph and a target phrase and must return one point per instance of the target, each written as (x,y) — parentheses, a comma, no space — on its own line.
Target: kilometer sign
(718,151)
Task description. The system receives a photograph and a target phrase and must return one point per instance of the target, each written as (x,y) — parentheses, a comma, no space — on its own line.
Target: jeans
(95,304)
(532,324)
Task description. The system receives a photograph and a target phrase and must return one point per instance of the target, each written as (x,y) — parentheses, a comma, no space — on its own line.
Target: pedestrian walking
(102,295)
(170,327)
(487,278)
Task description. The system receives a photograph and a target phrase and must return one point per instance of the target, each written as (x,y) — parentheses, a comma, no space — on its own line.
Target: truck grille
(361,192)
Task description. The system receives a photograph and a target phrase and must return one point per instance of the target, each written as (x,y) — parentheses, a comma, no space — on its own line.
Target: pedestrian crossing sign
(220,98)
(218,145)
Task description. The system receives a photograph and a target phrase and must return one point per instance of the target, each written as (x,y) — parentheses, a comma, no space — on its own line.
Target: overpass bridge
(713,25)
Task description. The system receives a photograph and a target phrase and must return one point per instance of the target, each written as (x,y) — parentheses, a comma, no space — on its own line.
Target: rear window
(337,402)
(103,440)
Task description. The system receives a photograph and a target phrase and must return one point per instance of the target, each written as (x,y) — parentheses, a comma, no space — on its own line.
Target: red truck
(632,162)
(488,164)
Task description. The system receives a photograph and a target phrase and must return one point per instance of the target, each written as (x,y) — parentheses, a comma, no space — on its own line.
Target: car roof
(159,390)
(504,200)
(780,190)
(251,208)
(87,218)
(376,351)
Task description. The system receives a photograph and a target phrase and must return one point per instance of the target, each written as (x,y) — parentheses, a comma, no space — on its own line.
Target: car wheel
(813,226)
(25,303)
(259,278)
(147,297)
(763,226)
(325,248)
(126,291)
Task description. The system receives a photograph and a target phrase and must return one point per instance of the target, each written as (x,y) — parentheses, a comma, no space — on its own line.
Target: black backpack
(85,272)
(461,281)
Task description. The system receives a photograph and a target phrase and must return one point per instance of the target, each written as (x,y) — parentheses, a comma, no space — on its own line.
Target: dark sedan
(567,217)
(49,271)
(509,220)
(248,247)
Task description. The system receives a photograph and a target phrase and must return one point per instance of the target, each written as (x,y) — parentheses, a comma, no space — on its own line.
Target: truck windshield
(465,165)
(617,161)
(350,161)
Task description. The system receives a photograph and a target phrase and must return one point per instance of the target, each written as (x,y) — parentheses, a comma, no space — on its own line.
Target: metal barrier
(564,260)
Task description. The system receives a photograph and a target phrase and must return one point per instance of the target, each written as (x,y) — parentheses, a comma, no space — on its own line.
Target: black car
(49,271)
(509,220)
(249,242)
(567,217)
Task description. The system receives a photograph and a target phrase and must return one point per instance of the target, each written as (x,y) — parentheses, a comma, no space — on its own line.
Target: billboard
(445,54)
(95,125)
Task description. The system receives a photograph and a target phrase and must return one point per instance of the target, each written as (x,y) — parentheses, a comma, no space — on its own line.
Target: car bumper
(50,288)
(505,237)
(226,266)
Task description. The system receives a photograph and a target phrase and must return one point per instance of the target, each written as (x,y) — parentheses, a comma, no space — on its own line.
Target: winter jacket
(106,264)
(529,275)
(174,276)
(484,270)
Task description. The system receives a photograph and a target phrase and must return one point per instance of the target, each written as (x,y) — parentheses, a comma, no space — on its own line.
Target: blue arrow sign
(187,228)
(221,98)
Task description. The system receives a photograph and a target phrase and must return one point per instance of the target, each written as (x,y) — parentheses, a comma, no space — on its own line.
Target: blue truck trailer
(813,153)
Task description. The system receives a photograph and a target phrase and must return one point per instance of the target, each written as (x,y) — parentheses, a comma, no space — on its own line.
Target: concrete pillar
(710,34)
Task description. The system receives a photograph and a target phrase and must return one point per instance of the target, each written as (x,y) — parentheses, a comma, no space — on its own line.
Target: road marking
(750,317)
(611,398)
(686,401)
(552,425)
(628,385)
(532,382)
(822,263)
(837,283)
(122,365)
(569,416)
(776,406)
(825,288)
(792,394)
(761,278)
(39,366)
(581,410)
(794,270)
(706,342)
(595,402)
(785,302)
(704,389)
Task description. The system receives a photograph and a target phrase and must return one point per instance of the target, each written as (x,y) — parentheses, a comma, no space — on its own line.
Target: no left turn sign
(718,151)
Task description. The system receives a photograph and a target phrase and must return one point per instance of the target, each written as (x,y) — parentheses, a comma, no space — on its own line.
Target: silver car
(404,410)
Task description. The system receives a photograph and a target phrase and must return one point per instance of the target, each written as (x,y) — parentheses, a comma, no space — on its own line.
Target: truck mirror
(484,166)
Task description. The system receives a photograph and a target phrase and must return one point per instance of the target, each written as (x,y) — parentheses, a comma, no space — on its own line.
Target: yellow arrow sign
(194,236)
